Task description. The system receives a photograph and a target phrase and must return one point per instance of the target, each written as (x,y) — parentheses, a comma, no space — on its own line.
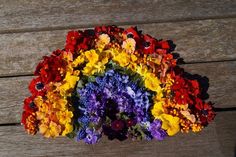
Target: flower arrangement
(115,82)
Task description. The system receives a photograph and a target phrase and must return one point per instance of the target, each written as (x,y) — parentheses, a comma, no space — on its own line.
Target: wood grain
(25,15)
(222,89)
(198,41)
(217,140)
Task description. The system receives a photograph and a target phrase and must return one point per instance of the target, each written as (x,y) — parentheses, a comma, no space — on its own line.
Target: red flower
(37,87)
(163,44)
(131,32)
(117,125)
(30,122)
(205,111)
(84,45)
(194,87)
(148,44)
(29,105)
(50,69)
(130,122)
(71,40)
(182,96)
(110,30)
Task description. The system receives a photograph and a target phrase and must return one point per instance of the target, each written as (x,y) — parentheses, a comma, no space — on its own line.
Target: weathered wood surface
(24,15)
(222,88)
(203,30)
(217,140)
(197,41)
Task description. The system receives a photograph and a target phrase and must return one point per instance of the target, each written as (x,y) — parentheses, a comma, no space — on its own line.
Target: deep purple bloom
(91,136)
(156,131)
(81,134)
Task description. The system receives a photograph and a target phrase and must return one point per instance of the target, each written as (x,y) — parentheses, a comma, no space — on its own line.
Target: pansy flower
(148,44)
(37,87)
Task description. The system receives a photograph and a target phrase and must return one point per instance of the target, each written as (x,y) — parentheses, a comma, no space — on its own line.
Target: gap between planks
(120,24)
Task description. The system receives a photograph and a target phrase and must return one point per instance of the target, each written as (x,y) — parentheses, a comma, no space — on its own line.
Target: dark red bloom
(37,87)
(163,44)
(71,40)
(84,45)
(113,134)
(148,44)
(110,30)
(131,32)
(30,122)
(29,105)
(130,122)
(194,87)
(205,111)
(117,125)
(182,96)
(50,69)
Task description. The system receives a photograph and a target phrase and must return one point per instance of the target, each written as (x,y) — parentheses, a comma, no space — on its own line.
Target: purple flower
(91,136)
(156,131)
(81,134)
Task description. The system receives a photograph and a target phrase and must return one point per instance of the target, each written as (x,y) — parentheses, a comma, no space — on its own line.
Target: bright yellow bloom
(152,82)
(64,116)
(157,109)
(142,70)
(170,124)
(196,127)
(68,129)
(92,56)
(89,69)
(122,58)
(79,60)
(50,129)
(68,84)
(129,45)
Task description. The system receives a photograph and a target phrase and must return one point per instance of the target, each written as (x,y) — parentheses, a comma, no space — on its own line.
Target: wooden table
(205,35)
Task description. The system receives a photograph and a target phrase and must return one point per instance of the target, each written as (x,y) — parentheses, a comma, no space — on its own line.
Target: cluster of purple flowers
(116,106)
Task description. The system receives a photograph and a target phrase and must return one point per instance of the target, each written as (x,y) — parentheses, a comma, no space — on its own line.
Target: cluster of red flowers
(187,91)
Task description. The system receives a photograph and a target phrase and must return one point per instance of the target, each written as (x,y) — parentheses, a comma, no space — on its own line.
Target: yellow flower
(152,82)
(142,70)
(92,56)
(68,83)
(68,129)
(64,116)
(122,58)
(196,127)
(79,60)
(157,109)
(60,104)
(50,129)
(170,124)
(89,69)
(129,45)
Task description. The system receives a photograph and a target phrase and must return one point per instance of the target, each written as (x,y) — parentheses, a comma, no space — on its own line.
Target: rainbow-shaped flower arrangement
(114,82)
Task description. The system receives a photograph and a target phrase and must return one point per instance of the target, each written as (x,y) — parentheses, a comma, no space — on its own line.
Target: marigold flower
(50,129)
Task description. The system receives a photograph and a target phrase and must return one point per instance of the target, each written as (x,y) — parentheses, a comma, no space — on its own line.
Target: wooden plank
(24,15)
(198,41)
(217,140)
(222,89)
